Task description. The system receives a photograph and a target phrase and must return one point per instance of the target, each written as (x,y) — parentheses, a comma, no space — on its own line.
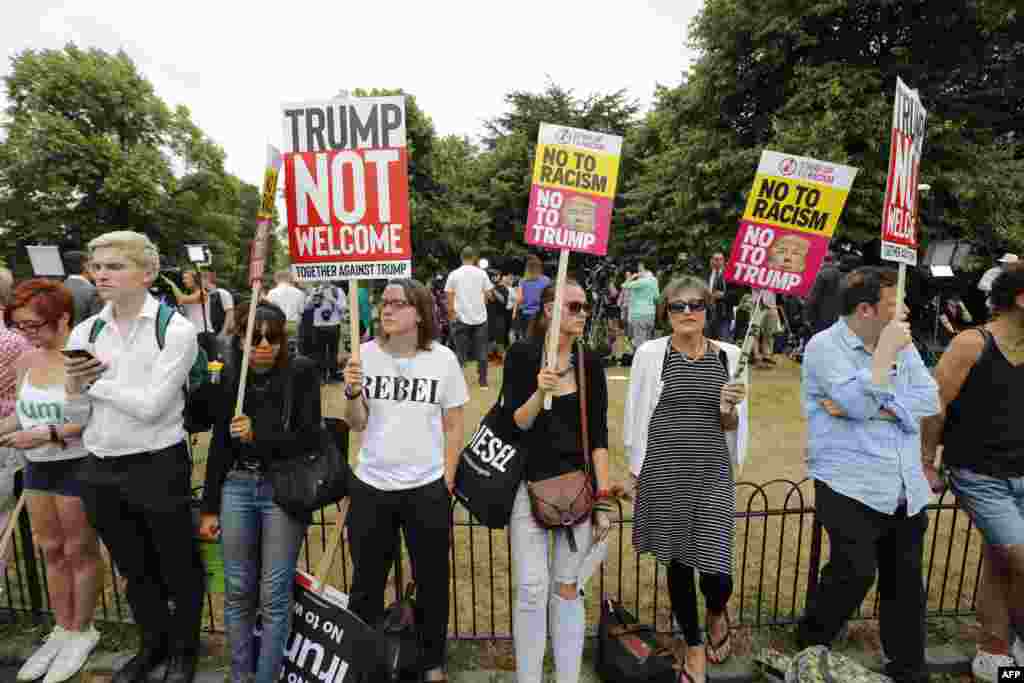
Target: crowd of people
(92,377)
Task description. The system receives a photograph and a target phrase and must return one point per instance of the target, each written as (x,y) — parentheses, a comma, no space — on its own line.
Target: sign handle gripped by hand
(554,331)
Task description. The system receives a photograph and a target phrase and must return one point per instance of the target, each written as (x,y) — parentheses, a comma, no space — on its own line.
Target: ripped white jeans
(539,563)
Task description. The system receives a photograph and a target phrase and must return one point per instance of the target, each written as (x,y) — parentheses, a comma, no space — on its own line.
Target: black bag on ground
(491,468)
(628,652)
(312,480)
(398,641)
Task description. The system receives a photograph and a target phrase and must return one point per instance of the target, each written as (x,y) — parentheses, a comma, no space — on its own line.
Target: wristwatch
(354,394)
(56,437)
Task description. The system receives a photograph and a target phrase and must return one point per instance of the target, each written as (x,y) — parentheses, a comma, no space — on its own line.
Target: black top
(983,431)
(264,402)
(554,443)
(825,300)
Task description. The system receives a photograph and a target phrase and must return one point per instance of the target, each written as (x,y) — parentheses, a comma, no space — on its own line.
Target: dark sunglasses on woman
(687,306)
(271,337)
(576,306)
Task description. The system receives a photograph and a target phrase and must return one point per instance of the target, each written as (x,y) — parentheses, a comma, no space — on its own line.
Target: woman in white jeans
(547,574)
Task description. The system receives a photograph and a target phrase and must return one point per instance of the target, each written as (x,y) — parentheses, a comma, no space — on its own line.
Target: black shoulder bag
(310,481)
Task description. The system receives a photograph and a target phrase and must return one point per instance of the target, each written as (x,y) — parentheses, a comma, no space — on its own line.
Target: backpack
(816,664)
(198,401)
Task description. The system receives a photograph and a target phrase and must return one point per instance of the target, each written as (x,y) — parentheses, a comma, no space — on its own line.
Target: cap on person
(1009,258)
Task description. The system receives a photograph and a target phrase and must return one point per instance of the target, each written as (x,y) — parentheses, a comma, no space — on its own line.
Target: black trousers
(140,505)
(862,541)
(717,588)
(374,521)
(325,347)
(470,344)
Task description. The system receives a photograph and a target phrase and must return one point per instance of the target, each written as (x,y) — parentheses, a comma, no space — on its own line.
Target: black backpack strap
(723,358)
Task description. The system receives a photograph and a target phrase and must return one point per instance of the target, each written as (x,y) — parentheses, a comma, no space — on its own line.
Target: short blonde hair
(135,247)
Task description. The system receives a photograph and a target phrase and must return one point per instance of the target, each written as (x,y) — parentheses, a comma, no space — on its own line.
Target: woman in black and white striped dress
(685,489)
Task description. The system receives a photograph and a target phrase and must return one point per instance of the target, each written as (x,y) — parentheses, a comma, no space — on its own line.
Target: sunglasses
(397,304)
(28,325)
(576,307)
(686,306)
(271,337)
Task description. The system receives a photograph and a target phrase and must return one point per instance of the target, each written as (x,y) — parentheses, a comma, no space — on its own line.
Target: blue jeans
(261,546)
(996,504)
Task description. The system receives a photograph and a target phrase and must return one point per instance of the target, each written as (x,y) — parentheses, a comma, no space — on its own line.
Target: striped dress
(686,494)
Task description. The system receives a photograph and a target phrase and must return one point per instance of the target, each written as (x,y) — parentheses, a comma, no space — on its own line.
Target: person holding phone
(260,540)
(42,311)
(138,493)
(684,414)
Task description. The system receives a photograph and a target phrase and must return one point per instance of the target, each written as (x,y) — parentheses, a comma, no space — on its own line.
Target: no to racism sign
(899,212)
(574,177)
(791,214)
(347,189)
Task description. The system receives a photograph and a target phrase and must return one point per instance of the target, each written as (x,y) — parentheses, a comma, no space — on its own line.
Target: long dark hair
(266,312)
(538,328)
(419,296)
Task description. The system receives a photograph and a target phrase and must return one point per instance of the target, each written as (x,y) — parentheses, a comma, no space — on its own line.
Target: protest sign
(574,177)
(264,215)
(347,189)
(899,212)
(791,213)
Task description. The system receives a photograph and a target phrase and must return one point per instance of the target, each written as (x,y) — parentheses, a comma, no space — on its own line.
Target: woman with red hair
(42,310)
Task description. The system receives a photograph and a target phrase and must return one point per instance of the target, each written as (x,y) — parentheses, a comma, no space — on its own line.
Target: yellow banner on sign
(576,169)
(269,194)
(795,204)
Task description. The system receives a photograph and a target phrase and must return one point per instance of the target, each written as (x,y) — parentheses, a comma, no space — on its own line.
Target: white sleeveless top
(40,407)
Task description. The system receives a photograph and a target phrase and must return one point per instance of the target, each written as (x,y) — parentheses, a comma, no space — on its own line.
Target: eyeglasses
(271,337)
(397,304)
(28,325)
(576,307)
(686,306)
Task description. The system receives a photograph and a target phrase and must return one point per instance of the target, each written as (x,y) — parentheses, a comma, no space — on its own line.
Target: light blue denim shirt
(863,455)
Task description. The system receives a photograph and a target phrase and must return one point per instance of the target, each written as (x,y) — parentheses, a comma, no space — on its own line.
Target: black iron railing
(779,552)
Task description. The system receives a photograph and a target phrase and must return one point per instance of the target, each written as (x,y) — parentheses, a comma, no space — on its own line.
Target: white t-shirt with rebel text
(403,445)
(469,284)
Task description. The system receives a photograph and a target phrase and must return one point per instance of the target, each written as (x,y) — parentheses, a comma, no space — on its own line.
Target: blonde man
(138,494)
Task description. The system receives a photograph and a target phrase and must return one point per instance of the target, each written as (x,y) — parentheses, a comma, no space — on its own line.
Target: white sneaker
(40,661)
(77,646)
(986,665)
(1018,651)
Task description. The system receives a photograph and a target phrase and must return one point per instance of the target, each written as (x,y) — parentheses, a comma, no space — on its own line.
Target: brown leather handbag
(568,499)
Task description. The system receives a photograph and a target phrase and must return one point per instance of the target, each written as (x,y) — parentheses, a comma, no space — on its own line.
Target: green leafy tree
(818,79)
(90,147)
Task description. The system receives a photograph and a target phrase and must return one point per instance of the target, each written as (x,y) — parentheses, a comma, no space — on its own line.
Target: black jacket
(264,406)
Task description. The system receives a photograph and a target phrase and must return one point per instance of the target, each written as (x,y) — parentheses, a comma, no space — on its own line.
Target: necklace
(563,372)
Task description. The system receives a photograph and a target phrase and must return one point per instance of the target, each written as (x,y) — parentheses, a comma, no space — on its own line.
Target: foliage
(89,147)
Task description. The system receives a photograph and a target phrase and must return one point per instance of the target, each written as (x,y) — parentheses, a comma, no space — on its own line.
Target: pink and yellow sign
(574,179)
(792,211)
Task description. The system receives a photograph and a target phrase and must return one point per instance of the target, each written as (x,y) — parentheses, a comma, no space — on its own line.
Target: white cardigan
(645,391)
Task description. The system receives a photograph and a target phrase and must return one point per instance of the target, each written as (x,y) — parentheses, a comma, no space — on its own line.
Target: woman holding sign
(405,393)
(681,411)
(260,540)
(548,576)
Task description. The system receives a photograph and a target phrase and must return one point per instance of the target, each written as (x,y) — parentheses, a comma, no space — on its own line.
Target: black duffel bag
(628,652)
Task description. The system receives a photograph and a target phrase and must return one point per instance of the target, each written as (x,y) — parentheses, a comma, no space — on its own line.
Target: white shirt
(469,284)
(403,444)
(137,403)
(290,299)
(329,305)
(194,312)
(989,278)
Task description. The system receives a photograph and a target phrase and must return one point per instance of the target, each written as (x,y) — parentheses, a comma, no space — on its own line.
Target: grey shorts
(995,504)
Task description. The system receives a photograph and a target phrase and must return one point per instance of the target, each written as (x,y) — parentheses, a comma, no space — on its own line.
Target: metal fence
(779,552)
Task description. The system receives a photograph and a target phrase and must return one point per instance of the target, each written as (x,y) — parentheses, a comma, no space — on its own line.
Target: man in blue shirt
(865,391)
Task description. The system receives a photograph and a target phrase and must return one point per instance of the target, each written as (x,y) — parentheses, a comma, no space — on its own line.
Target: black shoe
(138,668)
(181,668)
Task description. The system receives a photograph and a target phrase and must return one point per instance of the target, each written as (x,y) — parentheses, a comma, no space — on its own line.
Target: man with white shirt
(138,475)
(469,289)
(720,314)
(288,298)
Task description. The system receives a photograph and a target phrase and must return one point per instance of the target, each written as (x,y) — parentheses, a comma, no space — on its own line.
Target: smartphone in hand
(77,354)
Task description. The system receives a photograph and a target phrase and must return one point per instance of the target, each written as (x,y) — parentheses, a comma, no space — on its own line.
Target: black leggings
(717,588)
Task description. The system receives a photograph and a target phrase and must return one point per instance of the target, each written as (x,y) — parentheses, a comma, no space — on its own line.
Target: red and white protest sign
(347,189)
(899,213)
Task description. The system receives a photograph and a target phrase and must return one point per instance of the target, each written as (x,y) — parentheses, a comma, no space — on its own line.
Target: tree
(90,147)
(817,78)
